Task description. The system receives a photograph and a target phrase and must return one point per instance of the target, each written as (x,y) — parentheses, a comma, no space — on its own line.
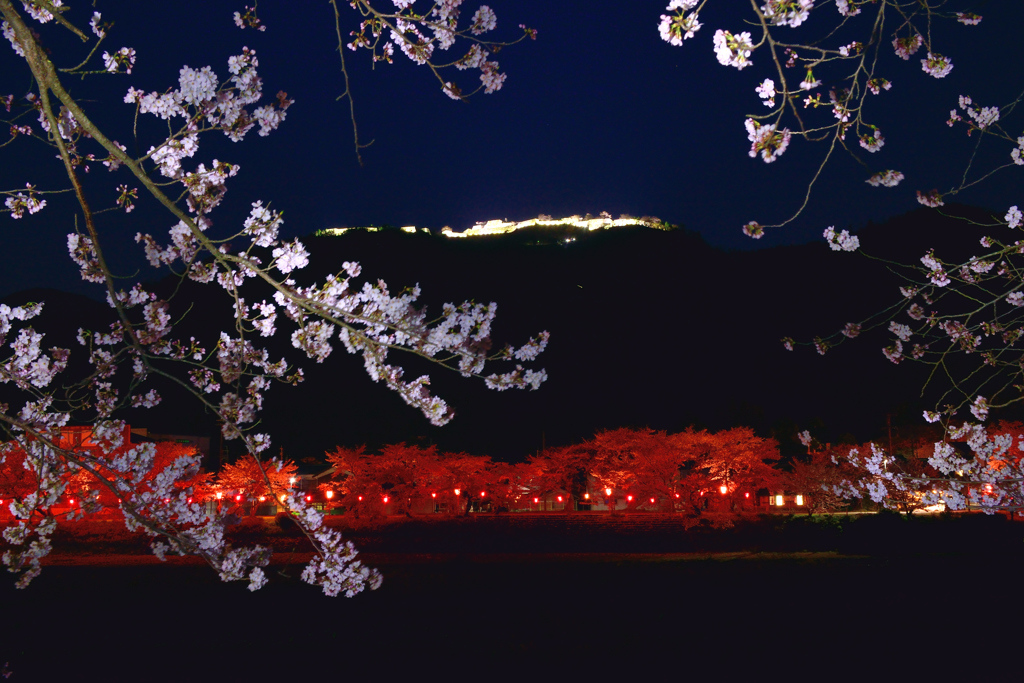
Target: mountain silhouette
(648,328)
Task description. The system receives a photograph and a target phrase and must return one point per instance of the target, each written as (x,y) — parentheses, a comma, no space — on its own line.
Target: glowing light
(221,495)
(778,500)
(988,488)
(496,227)
(559,499)
(607,492)
(309,498)
(433,495)
(360,498)
(677,495)
(72,501)
(652,501)
(586,496)
(238,497)
(284,496)
(458,492)
(723,489)
(536,500)
(629,498)
(799,499)
(291,480)
(263,499)
(483,494)
(385,499)
(329,494)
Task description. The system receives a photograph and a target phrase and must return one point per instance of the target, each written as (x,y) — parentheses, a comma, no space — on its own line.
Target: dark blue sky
(597,114)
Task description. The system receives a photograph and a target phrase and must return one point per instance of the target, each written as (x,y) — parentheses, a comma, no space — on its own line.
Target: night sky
(598,114)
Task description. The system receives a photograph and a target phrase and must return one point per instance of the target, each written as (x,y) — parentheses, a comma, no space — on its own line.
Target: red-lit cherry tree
(253,481)
(655,470)
(391,481)
(257,273)
(965,317)
(403,477)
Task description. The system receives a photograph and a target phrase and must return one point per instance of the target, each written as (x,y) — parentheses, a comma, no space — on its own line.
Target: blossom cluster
(787,12)
(766,141)
(887,178)
(980,117)
(733,50)
(420,35)
(974,467)
(27,200)
(842,241)
(676,28)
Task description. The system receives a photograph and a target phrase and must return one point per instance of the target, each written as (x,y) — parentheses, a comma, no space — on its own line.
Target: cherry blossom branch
(230,379)
(347,94)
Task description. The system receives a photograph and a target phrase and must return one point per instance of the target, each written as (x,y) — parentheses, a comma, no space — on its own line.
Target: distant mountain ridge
(649,328)
(546,228)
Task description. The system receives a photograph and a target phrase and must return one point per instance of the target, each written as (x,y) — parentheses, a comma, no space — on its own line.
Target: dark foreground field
(901,612)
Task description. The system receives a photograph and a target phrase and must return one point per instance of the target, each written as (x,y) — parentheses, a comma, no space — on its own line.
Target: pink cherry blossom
(733,50)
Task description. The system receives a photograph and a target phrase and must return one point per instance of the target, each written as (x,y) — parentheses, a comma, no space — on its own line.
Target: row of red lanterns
(483,494)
